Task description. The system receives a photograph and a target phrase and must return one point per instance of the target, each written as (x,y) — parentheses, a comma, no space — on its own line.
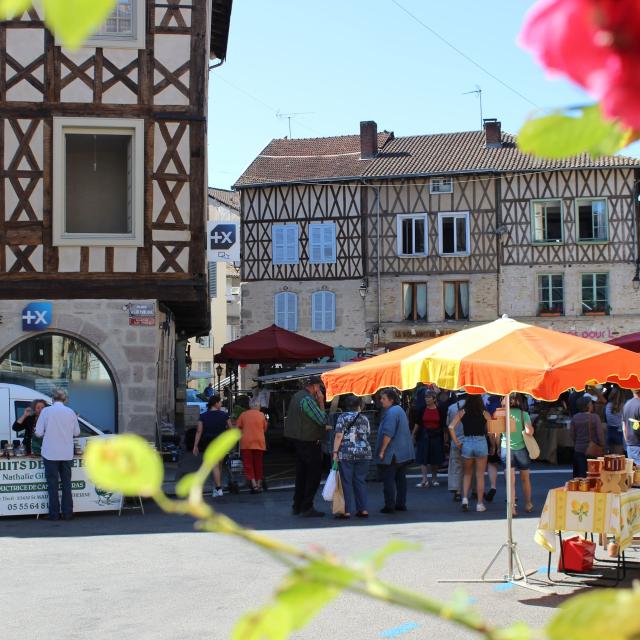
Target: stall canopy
(271,345)
(631,342)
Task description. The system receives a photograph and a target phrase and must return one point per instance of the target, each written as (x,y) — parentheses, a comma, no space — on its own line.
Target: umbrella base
(519,579)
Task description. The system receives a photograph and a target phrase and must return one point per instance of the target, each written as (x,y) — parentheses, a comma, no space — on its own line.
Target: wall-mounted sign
(422,334)
(37,316)
(142,314)
(223,241)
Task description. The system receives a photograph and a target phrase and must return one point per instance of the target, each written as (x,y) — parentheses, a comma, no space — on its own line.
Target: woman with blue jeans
(351,449)
(473,447)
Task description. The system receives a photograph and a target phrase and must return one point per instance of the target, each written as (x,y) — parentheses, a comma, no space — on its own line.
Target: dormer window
(441,185)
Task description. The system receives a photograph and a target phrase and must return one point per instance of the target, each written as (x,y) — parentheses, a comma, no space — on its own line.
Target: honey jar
(584,484)
(573,485)
(594,466)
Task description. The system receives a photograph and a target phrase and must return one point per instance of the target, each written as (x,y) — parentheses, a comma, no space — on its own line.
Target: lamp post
(364,287)
(636,278)
(219,372)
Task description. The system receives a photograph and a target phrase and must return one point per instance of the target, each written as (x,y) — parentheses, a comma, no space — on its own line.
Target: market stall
(23,486)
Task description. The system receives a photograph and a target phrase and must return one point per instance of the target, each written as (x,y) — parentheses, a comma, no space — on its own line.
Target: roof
(230,199)
(220,19)
(338,158)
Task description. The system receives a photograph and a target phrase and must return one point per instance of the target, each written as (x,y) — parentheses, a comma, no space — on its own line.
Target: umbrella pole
(509,488)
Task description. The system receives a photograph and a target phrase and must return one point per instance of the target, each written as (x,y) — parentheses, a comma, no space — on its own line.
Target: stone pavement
(153,576)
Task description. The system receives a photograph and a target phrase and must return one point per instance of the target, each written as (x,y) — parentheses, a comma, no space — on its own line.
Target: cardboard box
(498,423)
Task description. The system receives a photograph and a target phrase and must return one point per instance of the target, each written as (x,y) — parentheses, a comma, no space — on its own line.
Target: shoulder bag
(529,441)
(594,450)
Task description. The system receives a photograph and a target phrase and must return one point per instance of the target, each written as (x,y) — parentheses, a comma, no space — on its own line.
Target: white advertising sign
(223,241)
(23,489)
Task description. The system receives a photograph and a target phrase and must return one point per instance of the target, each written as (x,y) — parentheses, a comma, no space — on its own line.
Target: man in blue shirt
(210,425)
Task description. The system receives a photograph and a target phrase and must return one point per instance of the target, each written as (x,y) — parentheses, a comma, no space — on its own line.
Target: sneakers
(490,495)
(465,504)
(217,493)
(480,507)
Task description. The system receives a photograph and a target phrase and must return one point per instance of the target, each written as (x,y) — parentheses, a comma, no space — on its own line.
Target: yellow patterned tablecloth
(615,514)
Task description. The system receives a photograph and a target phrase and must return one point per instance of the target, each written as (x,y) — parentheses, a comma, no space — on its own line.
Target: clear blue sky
(350,60)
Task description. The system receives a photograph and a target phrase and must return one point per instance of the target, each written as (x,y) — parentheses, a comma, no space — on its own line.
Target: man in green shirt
(306,425)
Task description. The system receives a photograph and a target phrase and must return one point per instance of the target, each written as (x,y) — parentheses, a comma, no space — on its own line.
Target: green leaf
(377,558)
(219,448)
(323,571)
(606,613)
(517,631)
(12,8)
(73,21)
(183,486)
(124,464)
(561,135)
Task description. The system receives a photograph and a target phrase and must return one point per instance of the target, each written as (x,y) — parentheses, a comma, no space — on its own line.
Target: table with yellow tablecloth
(612,514)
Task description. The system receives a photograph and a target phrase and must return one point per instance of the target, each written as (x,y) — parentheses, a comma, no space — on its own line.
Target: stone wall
(130,353)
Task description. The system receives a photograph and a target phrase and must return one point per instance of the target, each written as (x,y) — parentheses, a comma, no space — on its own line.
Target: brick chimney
(368,140)
(492,132)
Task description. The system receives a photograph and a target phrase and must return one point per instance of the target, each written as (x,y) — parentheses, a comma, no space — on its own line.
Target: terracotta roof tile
(229,198)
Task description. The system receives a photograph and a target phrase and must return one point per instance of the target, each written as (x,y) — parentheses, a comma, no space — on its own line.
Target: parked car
(14,399)
(193,398)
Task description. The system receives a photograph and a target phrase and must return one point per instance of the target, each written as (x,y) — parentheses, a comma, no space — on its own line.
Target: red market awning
(273,344)
(631,342)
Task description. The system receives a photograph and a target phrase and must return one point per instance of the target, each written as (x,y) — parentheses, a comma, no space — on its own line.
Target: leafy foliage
(564,134)
(125,464)
(219,448)
(12,8)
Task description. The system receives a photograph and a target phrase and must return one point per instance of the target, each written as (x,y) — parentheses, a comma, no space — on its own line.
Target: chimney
(368,140)
(492,132)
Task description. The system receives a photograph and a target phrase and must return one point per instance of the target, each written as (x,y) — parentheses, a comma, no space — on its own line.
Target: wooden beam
(23,233)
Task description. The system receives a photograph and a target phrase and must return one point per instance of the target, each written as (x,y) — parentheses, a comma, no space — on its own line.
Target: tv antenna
(478,92)
(290,116)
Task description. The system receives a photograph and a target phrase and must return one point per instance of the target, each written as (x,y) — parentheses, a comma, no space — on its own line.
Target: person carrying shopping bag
(352,451)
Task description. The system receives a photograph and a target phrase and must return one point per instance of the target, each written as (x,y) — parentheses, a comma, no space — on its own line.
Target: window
(284,243)
(414,297)
(547,221)
(124,28)
(98,181)
(456,300)
(202,367)
(441,185)
(593,224)
(322,243)
(412,235)
(205,342)
(286,314)
(213,279)
(453,234)
(323,311)
(595,293)
(551,293)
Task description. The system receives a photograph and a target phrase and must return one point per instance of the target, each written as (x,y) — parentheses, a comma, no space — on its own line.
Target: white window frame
(290,298)
(593,275)
(286,229)
(414,216)
(577,203)
(454,214)
(135,41)
(321,297)
(439,190)
(532,205)
(550,288)
(318,229)
(101,126)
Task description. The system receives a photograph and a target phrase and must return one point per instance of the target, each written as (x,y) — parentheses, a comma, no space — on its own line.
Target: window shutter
(292,311)
(316,311)
(323,311)
(329,242)
(277,244)
(286,310)
(315,243)
(291,242)
(213,279)
(329,311)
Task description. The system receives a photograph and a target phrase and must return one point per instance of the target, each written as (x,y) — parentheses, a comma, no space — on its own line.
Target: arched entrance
(48,360)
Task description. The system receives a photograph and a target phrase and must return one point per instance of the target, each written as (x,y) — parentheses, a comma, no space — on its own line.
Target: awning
(296,374)
(631,342)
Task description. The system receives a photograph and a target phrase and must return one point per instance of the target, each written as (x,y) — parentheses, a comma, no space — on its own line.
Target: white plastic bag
(330,484)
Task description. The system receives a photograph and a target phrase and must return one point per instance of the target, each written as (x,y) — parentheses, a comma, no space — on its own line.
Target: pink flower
(596,43)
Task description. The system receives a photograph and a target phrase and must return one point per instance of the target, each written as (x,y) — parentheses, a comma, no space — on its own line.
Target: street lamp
(364,287)
(636,278)
(219,372)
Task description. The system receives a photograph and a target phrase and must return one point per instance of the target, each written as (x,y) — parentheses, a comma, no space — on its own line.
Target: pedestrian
(57,425)
(211,424)
(586,428)
(352,451)
(27,423)
(474,418)
(520,459)
(631,426)
(455,469)
(306,425)
(613,416)
(492,404)
(429,440)
(253,425)
(208,392)
(394,451)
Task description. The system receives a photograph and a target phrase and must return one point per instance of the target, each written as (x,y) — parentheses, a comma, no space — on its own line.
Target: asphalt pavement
(101,576)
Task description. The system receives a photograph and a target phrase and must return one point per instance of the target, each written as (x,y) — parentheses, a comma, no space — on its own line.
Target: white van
(14,399)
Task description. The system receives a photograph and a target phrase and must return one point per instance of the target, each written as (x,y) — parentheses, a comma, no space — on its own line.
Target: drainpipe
(376,188)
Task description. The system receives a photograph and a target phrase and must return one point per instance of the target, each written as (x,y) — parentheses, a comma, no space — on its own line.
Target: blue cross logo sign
(222,237)
(37,316)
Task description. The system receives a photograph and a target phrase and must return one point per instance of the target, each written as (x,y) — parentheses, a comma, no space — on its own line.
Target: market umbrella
(500,357)
(270,345)
(631,342)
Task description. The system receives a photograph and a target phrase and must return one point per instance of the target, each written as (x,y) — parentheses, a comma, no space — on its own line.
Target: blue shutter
(277,244)
(291,244)
(286,310)
(329,242)
(315,243)
(323,311)
(213,279)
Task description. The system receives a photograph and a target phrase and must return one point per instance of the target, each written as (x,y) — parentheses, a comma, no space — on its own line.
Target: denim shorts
(519,459)
(474,447)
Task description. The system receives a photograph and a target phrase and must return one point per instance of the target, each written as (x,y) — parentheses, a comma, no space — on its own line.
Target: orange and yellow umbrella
(500,357)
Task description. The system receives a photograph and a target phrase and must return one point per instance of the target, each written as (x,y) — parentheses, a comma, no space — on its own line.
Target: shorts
(474,447)
(519,459)
(614,437)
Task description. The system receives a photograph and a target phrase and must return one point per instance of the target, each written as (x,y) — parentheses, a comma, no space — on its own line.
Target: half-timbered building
(374,240)
(103,191)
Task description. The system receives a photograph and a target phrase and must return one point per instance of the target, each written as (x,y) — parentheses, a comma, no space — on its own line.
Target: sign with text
(142,314)
(223,241)
(37,316)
